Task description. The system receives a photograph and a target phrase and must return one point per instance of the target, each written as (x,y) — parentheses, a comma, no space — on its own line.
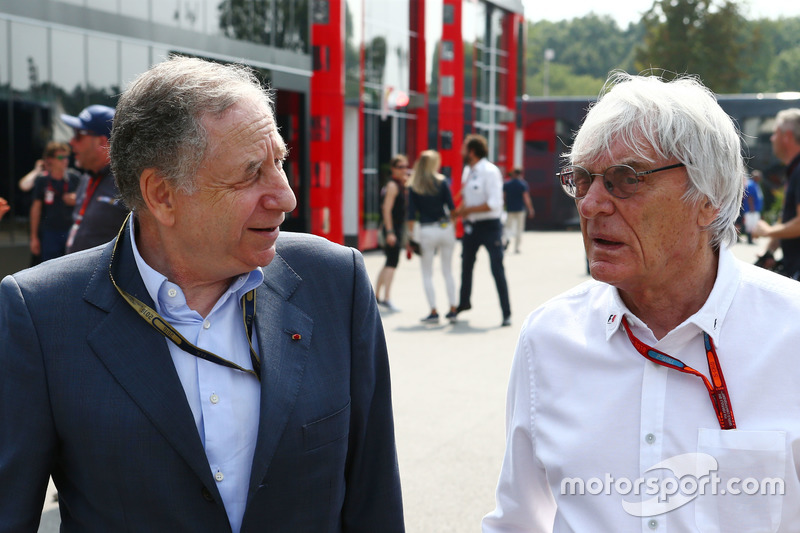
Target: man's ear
(707,214)
(158,195)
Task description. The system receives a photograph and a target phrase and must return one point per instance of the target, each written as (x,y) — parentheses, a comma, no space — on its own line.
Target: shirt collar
(102,173)
(710,316)
(158,285)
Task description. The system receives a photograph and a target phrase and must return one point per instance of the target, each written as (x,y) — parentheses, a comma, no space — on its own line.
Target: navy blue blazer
(89,395)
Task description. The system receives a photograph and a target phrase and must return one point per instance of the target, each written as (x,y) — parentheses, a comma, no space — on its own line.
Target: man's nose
(598,200)
(279,194)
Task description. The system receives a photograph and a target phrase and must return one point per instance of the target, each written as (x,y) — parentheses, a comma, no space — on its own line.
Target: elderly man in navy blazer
(198,373)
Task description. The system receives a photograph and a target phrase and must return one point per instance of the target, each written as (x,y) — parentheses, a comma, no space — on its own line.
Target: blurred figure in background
(98,211)
(430,203)
(481,208)
(53,201)
(518,205)
(786,234)
(393,213)
(752,204)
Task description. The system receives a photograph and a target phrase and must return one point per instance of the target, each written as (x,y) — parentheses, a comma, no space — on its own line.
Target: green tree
(562,81)
(588,47)
(784,72)
(761,54)
(703,37)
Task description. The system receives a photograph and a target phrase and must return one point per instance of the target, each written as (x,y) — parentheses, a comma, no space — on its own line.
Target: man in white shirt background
(654,398)
(481,208)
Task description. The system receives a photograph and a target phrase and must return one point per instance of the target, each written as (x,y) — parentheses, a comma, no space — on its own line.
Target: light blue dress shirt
(224,401)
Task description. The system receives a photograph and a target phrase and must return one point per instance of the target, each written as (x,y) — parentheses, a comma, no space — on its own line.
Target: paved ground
(449,381)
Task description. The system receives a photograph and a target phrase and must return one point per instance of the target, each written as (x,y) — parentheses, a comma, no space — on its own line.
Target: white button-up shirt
(482,183)
(601,439)
(224,401)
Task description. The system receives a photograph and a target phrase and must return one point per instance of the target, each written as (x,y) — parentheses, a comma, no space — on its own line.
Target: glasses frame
(638,174)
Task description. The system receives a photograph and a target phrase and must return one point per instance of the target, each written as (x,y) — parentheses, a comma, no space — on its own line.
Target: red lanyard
(717,389)
(64,185)
(94,181)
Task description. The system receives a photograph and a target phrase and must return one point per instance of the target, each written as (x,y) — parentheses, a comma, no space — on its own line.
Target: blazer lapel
(284,337)
(138,358)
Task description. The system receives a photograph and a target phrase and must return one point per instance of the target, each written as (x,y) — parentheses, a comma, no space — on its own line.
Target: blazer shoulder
(69,271)
(299,249)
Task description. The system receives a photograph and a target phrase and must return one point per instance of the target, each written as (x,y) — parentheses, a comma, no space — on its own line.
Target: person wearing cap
(98,212)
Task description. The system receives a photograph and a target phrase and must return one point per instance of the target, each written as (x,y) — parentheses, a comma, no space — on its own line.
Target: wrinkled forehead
(245,121)
(633,143)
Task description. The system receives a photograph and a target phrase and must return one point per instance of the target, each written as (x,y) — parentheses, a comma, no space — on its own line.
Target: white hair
(678,119)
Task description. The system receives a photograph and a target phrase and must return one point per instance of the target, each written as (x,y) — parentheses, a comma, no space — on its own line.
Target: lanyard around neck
(158,323)
(717,390)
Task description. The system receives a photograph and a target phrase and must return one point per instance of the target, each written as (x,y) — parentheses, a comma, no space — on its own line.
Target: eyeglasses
(619,180)
(401,166)
(59,157)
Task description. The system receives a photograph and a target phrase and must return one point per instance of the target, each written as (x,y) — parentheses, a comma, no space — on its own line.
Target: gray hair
(677,119)
(789,120)
(159,120)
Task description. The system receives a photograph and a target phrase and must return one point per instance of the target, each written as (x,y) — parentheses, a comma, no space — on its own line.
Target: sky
(626,11)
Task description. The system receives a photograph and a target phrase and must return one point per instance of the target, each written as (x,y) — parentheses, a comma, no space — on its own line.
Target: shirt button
(650,438)
(652,524)
(219,477)
(214,399)
(206,324)
(172,293)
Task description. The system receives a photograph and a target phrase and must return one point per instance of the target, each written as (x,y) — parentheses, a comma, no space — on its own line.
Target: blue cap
(96,119)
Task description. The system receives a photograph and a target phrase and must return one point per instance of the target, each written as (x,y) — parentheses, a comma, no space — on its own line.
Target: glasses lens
(575,181)
(61,157)
(621,181)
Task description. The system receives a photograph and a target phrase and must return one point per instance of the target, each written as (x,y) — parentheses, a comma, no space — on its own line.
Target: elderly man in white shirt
(662,395)
(481,208)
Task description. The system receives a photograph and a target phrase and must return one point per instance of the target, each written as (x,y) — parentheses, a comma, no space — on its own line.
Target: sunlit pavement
(449,381)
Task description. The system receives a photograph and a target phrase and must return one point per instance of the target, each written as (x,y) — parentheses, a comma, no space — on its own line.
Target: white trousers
(433,238)
(515,227)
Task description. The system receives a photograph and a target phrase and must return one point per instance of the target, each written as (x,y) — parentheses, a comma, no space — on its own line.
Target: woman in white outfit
(430,204)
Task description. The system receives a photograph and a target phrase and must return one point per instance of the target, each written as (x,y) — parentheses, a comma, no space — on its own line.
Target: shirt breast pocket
(745,493)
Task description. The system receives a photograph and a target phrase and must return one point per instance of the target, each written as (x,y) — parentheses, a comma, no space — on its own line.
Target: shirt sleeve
(28,439)
(796,178)
(494,188)
(447,195)
(39,185)
(373,500)
(524,500)
(411,210)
